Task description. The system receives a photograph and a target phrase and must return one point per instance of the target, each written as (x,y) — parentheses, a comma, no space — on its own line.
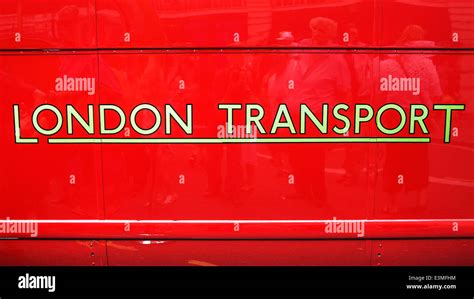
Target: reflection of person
(324,32)
(414,169)
(411,33)
(360,68)
(233,84)
(283,68)
(323,78)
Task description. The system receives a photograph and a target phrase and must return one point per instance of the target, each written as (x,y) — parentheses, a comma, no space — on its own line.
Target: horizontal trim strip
(253,49)
(246,229)
(217,220)
(237,140)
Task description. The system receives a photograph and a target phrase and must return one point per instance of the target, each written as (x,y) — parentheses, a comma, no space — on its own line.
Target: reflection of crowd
(323,77)
(318,78)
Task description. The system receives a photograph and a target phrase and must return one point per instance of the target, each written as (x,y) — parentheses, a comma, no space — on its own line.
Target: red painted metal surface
(47,24)
(36,177)
(423,252)
(53,253)
(154,52)
(239,253)
(287,253)
(247,229)
(436,23)
(253,23)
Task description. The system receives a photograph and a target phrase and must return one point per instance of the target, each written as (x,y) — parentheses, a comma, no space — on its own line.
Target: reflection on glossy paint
(237,181)
(47,24)
(252,23)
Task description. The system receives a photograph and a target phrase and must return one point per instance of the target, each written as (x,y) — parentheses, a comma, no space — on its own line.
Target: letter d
(121,114)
